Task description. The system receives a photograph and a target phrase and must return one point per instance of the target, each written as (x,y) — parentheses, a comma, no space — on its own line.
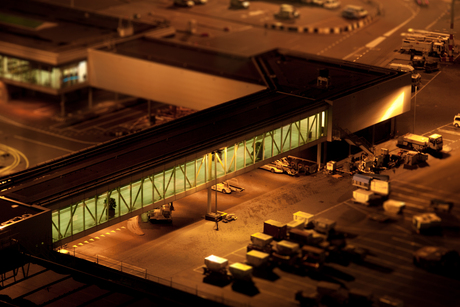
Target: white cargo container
(425,221)
(287,248)
(215,263)
(362,196)
(261,239)
(303,216)
(257,258)
(241,271)
(295,224)
(394,206)
(380,187)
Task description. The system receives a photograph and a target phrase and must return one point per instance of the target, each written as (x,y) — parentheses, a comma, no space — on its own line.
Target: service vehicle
(331,4)
(287,11)
(272,168)
(440,205)
(420,143)
(422,2)
(302,165)
(161,214)
(200,1)
(222,187)
(457,120)
(354,12)
(436,258)
(185,3)
(313,2)
(239,4)
(426,221)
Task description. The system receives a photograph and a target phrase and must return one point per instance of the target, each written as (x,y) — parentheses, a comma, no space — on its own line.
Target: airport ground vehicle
(222,187)
(272,168)
(457,120)
(354,12)
(425,43)
(331,4)
(162,214)
(421,143)
(302,165)
(239,4)
(287,11)
(186,3)
(437,258)
(440,205)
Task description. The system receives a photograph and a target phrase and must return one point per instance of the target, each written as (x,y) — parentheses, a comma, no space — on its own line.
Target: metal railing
(142,273)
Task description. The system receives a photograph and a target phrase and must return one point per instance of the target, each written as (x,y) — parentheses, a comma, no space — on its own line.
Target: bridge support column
(208,210)
(318,154)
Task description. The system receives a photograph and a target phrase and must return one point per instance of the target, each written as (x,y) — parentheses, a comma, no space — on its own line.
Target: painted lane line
(41,143)
(406,241)
(375,42)
(9,121)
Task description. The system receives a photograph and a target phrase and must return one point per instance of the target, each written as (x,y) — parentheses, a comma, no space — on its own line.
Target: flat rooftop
(11,210)
(56,29)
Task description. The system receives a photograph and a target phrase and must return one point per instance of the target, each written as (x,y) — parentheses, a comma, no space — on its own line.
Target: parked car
(287,11)
(239,4)
(331,4)
(457,120)
(422,2)
(272,168)
(200,1)
(186,3)
(354,12)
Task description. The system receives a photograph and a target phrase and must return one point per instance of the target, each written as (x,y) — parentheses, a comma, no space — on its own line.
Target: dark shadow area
(217,279)
(376,267)
(331,271)
(265,273)
(245,287)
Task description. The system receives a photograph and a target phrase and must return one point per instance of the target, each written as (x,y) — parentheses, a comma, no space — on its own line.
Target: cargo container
(215,264)
(425,221)
(303,216)
(275,229)
(287,248)
(295,224)
(393,206)
(380,187)
(323,225)
(257,258)
(362,196)
(240,271)
(302,237)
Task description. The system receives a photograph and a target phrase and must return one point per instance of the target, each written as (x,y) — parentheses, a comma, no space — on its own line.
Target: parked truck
(421,143)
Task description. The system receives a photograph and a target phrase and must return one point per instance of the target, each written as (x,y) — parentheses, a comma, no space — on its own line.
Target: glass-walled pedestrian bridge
(189,176)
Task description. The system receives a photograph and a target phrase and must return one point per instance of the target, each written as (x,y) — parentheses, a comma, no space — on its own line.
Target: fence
(142,273)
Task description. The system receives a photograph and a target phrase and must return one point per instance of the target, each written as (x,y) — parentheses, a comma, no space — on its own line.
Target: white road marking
(375,42)
(405,241)
(41,143)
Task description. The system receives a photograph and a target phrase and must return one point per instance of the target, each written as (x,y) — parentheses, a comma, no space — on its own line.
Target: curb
(325,30)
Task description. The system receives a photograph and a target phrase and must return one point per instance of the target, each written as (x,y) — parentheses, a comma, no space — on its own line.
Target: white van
(457,120)
(354,11)
(402,67)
